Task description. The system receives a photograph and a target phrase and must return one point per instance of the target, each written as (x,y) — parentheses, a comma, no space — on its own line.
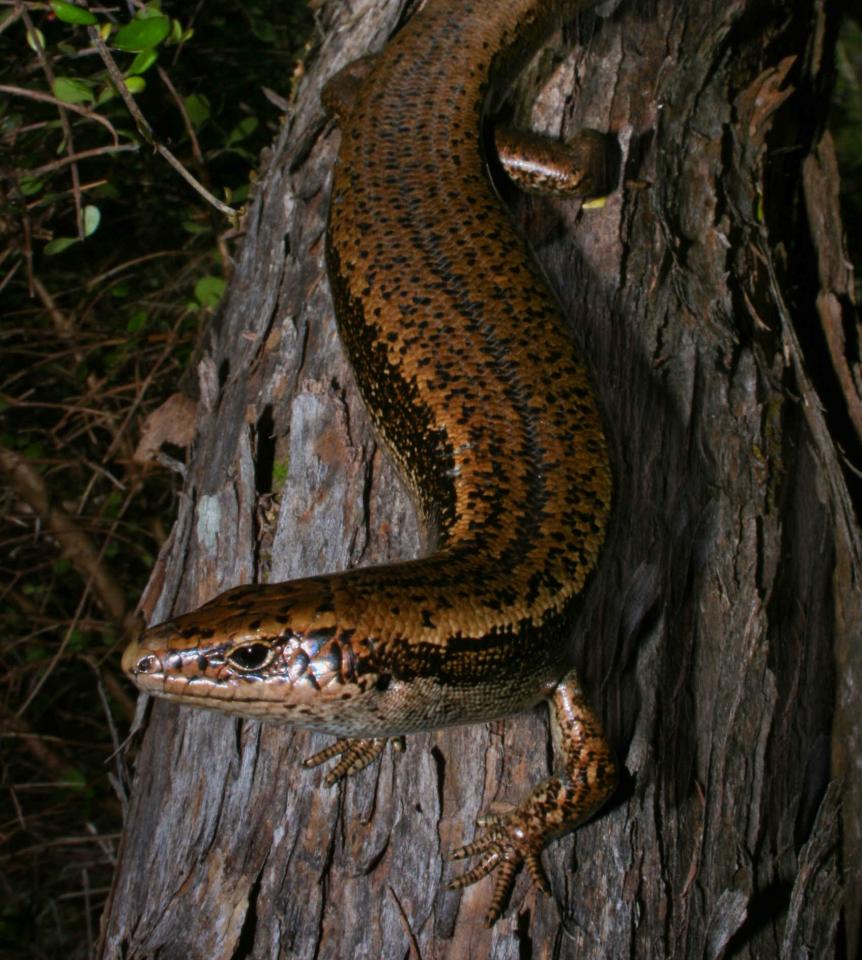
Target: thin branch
(228,211)
(200,163)
(41,97)
(63,326)
(28,484)
(42,201)
(83,155)
(36,744)
(128,264)
(58,654)
(13,17)
(197,153)
(13,270)
(146,130)
(48,70)
(133,407)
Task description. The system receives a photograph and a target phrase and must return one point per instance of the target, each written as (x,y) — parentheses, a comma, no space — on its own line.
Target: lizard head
(269,651)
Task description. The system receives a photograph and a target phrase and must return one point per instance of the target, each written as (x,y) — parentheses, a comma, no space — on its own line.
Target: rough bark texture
(721,636)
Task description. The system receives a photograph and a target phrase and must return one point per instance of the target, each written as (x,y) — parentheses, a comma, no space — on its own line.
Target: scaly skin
(464,362)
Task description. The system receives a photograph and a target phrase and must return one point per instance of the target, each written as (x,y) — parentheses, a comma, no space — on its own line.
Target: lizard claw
(355,756)
(503,847)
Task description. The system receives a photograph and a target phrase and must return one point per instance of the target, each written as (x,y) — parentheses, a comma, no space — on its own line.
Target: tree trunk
(720,637)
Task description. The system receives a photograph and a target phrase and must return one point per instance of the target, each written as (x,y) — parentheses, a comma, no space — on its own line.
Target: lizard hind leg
(556,806)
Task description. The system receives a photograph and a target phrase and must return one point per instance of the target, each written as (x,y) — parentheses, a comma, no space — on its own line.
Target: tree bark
(720,637)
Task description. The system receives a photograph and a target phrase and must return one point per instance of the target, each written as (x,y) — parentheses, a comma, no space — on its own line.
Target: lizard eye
(251,656)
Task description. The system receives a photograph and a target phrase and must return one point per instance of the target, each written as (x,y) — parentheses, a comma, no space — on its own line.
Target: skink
(471,378)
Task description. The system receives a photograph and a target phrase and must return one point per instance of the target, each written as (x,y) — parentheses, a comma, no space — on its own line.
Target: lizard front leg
(355,754)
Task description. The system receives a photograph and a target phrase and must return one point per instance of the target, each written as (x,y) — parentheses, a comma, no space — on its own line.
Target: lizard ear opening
(251,656)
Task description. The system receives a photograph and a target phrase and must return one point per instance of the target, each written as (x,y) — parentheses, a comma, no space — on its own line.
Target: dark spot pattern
(473,381)
(460,351)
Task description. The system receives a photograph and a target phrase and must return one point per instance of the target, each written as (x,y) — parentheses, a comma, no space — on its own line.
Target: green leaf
(264,30)
(209,290)
(242,130)
(35,39)
(135,84)
(143,61)
(72,90)
(142,34)
(198,109)
(137,322)
(31,185)
(75,778)
(58,245)
(106,93)
(240,194)
(69,13)
(245,154)
(92,218)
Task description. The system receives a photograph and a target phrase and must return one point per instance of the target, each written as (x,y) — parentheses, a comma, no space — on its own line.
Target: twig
(69,140)
(13,17)
(28,484)
(197,153)
(13,270)
(228,211)
(146,131)
(166,352)
(200,163)
(74,108)
(119,692)
(42,201)
(83,155)
(35,743)
(63,326)
(100,278)
(58,654)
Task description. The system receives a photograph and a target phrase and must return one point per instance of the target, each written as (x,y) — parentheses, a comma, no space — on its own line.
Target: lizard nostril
(147,664)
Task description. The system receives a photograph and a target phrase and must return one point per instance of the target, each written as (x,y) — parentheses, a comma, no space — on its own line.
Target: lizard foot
(556,806)
(508,842)
(355,756)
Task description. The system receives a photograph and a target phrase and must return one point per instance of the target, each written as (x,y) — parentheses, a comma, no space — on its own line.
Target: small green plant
(128,146)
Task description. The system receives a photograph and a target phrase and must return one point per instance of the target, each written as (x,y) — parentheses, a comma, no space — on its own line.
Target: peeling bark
(721,636)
